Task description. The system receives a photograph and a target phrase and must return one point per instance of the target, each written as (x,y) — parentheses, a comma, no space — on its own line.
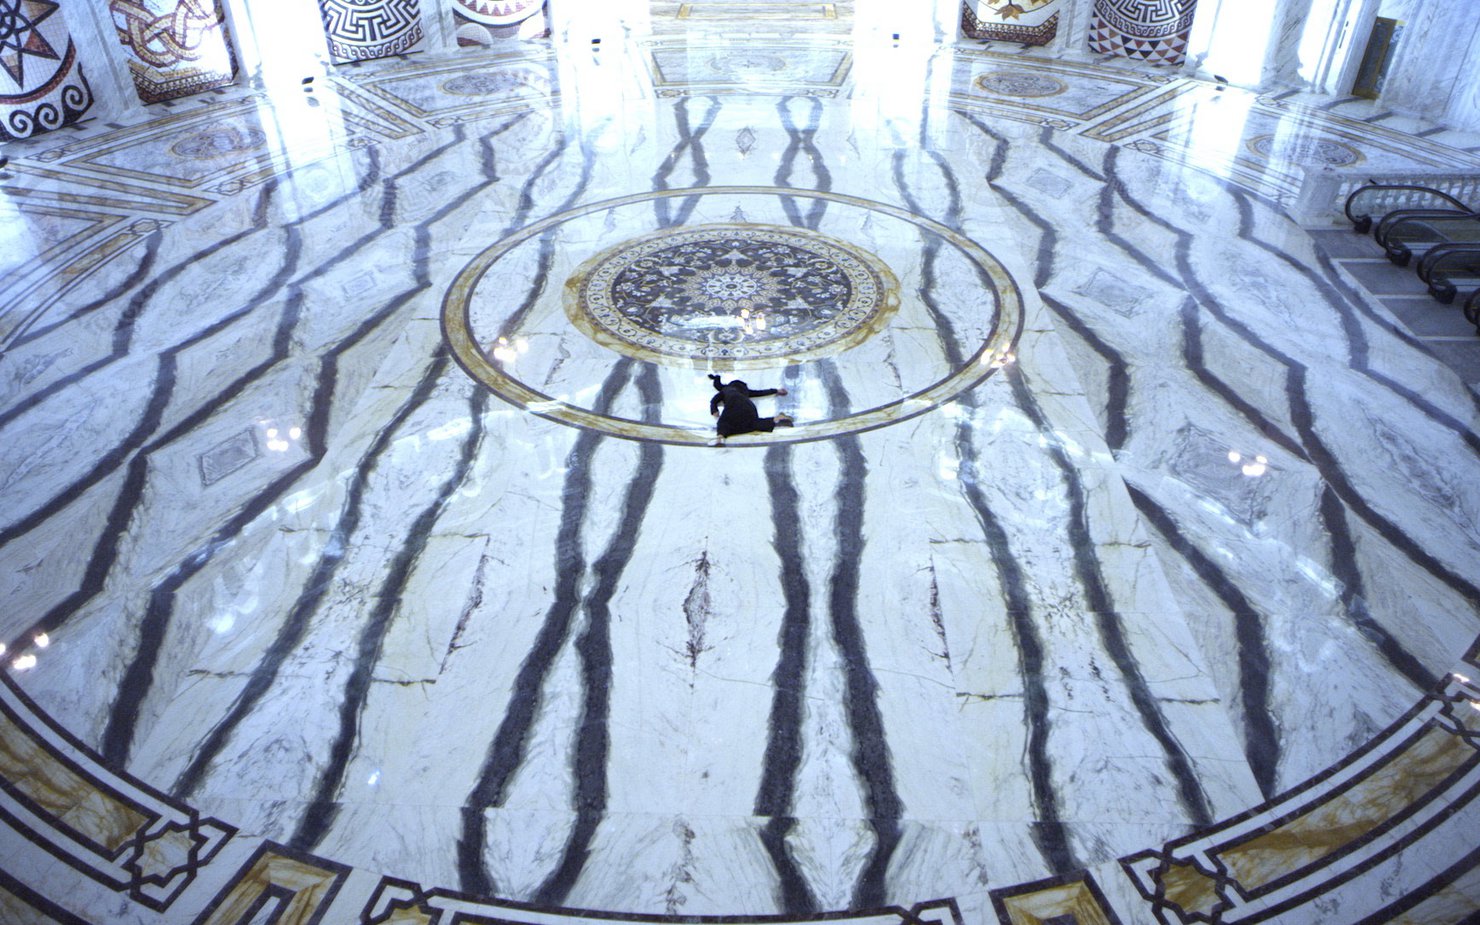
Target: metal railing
(1324,192)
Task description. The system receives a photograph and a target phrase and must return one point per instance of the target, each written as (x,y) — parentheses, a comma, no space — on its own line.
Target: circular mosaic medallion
(1021,84)
(220,141)
(743,62)
(1306,150)
(481,84)
(731,296)
(724,296)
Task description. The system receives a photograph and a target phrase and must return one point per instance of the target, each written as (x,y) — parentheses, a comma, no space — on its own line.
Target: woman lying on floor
(740,415)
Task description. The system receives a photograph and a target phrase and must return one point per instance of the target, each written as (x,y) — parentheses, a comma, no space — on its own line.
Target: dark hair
(717,385)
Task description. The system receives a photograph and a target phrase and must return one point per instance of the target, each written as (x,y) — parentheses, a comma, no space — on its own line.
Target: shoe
(717,441)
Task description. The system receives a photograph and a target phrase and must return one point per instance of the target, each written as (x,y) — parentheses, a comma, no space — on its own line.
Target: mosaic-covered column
(42,86)
(481,22)
(1027,22)
(1152,30)
(176,47)
(358,30)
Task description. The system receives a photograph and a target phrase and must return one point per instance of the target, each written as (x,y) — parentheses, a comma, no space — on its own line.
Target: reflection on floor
(364,560)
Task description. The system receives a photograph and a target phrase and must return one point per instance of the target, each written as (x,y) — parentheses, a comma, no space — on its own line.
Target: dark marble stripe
(124,327)
(783,755)
(1118,382)
(799,141)
(1261,737)
(691,142)
(136,276)
(1381,116)
(592,746)
(138,676)
(930,246)
(1107,619)
(1345,302)
(1284,94)
(505,754)
(322,809)
(1117,373)
(1192,356)
(533,292)
(1301,413)
(1429,132)
(1336,478)
(1049,833)
(295,626)
(292,630)
(1345,569)
(871,761)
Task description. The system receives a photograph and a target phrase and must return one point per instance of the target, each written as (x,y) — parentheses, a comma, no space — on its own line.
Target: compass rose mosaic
(731,296)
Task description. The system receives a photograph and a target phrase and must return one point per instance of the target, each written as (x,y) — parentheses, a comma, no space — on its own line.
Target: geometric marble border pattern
(993,353)
(119,832)
(1358,816)
(1402,810)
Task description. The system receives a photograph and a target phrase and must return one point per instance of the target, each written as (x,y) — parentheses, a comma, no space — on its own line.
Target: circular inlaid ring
(999,295)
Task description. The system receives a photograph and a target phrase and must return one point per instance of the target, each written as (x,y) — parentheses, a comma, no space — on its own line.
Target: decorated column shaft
(480,22)
(1026,22)
(1151,30)
(176,47)
(41,82)
(359,30)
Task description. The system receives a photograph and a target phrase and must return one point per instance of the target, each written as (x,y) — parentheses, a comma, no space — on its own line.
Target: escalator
(1430,225)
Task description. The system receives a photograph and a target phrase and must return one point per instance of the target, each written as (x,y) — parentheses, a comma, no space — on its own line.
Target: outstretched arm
(762,393)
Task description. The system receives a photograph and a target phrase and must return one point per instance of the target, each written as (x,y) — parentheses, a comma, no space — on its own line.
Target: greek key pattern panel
(42,86)
(359,31)
(1152,30)
(1029,22)
(176,48)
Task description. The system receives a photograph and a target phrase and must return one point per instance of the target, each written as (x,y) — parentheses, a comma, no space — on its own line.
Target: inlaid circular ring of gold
(994,352)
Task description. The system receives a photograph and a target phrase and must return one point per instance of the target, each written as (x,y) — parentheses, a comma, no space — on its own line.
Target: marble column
(1153,32)
(175,48)
(378,29)
(483,22)
(42,87)
(1030,22)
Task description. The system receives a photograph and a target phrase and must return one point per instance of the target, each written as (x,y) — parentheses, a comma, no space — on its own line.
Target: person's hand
(714,414)
(781,391)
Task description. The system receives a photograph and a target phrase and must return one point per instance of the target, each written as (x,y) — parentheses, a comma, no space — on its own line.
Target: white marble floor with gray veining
(1117,511)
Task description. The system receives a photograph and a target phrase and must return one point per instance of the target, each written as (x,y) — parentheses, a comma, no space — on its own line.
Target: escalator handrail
(1437,254)
(1398,217)
(1374,185)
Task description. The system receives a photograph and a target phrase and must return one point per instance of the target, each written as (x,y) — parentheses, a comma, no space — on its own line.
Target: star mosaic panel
(1031,22)
(42,87)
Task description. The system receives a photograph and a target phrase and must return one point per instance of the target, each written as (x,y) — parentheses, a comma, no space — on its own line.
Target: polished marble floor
(360,519)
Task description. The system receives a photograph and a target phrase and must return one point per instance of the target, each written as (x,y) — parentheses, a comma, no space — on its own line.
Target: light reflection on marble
(298,569)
